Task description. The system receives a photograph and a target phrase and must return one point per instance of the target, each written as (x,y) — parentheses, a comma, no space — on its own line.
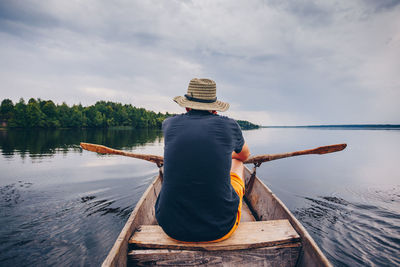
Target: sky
(277,62)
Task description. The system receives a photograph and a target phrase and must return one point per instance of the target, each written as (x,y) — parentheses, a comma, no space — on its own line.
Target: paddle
(159,160)
(257,160)
(319,151)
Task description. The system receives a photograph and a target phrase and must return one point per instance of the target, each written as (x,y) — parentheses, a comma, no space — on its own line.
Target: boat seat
(249,235)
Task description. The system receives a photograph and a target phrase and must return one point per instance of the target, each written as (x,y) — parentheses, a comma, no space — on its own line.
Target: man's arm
(242,155)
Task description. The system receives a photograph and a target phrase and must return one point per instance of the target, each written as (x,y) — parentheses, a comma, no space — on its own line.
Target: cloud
(266,118)
(290,62)
(152,102)
(100,92)
(381,6)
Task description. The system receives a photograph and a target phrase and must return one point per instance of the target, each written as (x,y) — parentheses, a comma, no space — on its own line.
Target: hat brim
(217,105)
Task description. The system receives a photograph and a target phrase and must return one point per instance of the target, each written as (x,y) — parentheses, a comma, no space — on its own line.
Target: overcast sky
(277,62)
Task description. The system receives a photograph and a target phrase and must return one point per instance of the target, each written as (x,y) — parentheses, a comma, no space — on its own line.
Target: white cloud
(268,118)
(285,62)
(100,93)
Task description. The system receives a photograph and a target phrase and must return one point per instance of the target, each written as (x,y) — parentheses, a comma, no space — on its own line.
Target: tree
(50,109)
(19,119)
(35,117)
(98,119)
(45,113)
(6,109)
(64,115)
(51,115)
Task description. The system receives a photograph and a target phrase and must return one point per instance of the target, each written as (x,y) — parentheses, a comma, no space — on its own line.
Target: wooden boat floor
(264,205)
(248,235)
(258,243)
(266,243)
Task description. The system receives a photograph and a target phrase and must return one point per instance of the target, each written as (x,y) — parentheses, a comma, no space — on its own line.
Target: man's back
(197,201)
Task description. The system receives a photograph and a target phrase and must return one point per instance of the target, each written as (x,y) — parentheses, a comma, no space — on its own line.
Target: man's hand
(243,155)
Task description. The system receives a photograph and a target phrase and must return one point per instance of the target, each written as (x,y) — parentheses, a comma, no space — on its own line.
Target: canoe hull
(264,206)
(143,214)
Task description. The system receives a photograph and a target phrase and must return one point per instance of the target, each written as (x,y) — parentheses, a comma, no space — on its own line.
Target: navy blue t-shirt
(197,201)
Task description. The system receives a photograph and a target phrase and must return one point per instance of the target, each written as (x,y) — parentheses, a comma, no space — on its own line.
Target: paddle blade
(95,148)
(329,149)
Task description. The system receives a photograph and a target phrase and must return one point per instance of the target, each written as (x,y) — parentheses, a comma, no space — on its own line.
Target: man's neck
(189,110)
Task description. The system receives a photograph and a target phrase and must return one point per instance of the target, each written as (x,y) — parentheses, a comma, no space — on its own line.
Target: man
(202,191)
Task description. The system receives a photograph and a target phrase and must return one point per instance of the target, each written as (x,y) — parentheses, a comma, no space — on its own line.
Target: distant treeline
(46,114)
(246,125)
(344,126)
(38,113)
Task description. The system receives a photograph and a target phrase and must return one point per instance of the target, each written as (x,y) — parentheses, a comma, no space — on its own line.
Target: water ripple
(355,233)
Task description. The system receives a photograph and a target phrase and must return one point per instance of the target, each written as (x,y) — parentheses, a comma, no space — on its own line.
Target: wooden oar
(319,150)
(159,160)
(257,160)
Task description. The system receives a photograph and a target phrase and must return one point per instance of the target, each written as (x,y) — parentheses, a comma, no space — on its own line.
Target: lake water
(60,205)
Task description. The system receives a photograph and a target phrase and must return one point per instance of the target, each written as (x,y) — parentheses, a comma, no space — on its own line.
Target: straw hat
(202,95)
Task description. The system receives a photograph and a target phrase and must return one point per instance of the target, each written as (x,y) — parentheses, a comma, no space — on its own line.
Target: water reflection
(42,142)
(68,207)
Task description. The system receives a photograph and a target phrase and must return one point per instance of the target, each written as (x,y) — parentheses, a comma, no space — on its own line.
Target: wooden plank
(142,214)
(282,255)
(248,235)
(247,216)
(267,206)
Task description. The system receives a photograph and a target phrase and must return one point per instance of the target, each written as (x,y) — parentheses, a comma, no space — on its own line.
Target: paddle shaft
(159,160)
(319,151)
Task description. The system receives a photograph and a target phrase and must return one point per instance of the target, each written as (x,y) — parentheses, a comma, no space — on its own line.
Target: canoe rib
(263,203)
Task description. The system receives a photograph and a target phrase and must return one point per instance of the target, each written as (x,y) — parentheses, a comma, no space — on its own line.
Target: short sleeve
(238,138)
(165,123)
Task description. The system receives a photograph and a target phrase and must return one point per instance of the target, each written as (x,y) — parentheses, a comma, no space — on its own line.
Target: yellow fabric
(237,184)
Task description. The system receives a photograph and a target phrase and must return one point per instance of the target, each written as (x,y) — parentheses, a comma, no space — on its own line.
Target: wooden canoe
(273,245)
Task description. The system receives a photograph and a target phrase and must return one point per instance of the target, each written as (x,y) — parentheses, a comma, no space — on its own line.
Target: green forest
(46,114)
(38,113)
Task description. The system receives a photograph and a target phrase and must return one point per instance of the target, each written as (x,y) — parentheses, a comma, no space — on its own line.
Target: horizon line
(334,125)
